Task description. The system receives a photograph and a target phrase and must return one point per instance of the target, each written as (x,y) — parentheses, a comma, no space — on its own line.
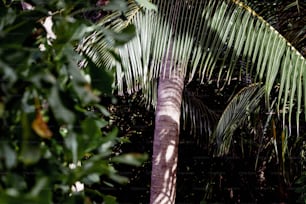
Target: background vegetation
(56,141)
(58,121)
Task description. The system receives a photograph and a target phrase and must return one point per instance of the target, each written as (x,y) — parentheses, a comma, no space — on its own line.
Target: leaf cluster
(53,128)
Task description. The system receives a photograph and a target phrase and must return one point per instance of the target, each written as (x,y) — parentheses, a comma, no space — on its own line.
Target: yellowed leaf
(40,127)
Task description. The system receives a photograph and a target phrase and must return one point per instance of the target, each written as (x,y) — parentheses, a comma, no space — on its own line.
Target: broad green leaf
(108,199)
(41,185)
(92,136)
(15,180)
(119,179)
(122,37)
(131,159)
(60,112)
(94,165)
(108,141)
(7,17)
(9,155)
(8,72)
(104,111)
(91,128)
(30,150)
(101,79)
(91,179)
(30,154)
(22,28)
(71,142)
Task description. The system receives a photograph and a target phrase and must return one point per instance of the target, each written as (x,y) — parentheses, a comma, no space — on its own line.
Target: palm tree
(189,40)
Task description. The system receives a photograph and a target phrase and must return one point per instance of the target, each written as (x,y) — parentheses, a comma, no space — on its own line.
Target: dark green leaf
(30,151)
(15,180)
(108,199)
(121,37)
(40,186)
(71,142)
(101,78)
(20,32)
(60,112)
(117,178)
(90,128)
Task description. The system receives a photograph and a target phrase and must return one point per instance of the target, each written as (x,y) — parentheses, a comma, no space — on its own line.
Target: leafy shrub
(53,135)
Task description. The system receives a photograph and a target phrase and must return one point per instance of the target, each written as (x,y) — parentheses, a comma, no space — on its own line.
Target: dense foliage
(56,141)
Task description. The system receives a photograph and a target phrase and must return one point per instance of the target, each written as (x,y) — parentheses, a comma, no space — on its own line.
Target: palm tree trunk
(166,137)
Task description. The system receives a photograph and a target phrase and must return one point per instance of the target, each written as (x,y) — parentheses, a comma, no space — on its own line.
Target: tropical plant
(196,40)
(54,145)
(285,16)
(288,18)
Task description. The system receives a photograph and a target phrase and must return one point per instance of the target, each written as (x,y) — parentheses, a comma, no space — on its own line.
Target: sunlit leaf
(131,159)
(103,110)
(147,4)
(91,179)
(71,142)
(40,186)
(9,155)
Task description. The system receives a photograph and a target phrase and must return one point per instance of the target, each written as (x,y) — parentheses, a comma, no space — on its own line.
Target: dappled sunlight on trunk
(166,139)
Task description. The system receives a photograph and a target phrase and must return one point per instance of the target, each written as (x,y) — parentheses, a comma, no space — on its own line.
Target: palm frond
(235,115)
(99,48)
(206,37)
(286,16)
(197,117)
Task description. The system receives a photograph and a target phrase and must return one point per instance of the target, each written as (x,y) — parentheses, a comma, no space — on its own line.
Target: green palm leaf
(235,115)
(203,38)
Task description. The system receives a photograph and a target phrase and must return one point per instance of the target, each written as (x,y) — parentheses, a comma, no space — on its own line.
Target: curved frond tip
(235,115)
